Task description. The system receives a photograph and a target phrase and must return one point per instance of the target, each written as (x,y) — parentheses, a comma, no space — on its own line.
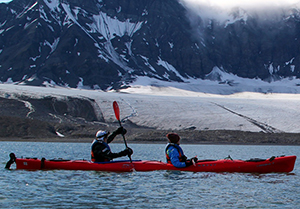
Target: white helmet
(101,134)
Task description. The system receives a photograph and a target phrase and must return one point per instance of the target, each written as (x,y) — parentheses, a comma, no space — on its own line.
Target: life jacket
(182,157)
(93,158)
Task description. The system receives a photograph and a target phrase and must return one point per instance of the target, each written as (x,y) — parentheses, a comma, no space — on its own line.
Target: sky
(4,1)
(251,3)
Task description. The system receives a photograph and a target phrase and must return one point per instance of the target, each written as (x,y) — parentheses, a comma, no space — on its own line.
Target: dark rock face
(256,48)
(27,117)
(106,44)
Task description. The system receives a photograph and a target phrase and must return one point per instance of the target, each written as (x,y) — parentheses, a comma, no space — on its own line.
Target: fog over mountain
(101,44)
(229,4)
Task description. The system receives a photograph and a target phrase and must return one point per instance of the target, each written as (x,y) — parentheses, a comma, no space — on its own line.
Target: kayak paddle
(117,114)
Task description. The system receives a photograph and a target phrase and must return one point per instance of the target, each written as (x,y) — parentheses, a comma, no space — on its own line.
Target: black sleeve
(111,137)
(115,155)
(102,153)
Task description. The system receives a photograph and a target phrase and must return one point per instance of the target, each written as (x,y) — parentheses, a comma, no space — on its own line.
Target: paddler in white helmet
(100,150)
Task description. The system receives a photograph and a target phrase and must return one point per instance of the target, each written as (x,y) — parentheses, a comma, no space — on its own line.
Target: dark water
(158,189)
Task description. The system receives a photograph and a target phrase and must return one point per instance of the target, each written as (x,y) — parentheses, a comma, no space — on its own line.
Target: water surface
(157,189)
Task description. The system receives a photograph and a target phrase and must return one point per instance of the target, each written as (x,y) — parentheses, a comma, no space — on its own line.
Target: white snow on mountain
(220,82)
(53,45)
(53,4)
(169,67)
(110,27)
(5,1)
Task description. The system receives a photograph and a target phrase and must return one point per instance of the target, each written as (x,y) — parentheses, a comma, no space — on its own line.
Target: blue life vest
(182,157)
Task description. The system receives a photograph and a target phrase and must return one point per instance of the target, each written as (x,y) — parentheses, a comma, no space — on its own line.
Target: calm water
(158,189)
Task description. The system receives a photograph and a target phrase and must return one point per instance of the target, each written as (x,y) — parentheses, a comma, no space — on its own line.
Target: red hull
(277,165)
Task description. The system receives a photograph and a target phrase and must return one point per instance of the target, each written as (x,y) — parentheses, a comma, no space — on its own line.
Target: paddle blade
(116,110)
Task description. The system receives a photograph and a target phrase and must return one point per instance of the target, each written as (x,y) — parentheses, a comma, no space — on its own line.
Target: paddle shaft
(117,114)
(123,135)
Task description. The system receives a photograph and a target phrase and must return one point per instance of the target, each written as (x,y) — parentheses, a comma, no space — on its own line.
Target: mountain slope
(108,43)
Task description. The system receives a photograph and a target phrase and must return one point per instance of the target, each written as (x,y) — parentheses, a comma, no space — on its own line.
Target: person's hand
(192,161)
(121,130)
(195,159)
(128,151)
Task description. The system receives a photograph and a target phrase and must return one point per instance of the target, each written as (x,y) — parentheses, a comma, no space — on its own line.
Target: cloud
(230,10)
(227,4)
(5,1)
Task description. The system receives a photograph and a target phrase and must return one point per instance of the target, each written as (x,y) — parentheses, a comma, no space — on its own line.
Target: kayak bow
(282,164)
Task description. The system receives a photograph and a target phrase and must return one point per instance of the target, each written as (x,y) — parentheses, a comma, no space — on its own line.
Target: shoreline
(76,120)
(120,141)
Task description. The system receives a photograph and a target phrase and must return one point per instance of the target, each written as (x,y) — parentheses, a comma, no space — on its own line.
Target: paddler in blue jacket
(174,153)
(100,150)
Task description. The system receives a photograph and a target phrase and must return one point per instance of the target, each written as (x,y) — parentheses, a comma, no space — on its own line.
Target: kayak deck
(282,164)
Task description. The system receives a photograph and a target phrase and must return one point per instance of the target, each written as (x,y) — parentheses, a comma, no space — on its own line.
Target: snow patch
(220,83)
(53,4)
(290,62)
(53,45)
(80,83)
(146,62)
(292,68)
(169,67)
(9,81)
(35,58)
(110,27)
(27,10)
(28,24)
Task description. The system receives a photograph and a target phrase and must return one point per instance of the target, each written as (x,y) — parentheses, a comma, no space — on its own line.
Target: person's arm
(174,157)
(111,137)
(126,152)
(101,151)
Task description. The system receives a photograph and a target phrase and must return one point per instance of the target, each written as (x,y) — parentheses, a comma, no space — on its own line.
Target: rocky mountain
(105,44)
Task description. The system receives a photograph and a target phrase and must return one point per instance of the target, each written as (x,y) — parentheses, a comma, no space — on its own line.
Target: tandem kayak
(282,164)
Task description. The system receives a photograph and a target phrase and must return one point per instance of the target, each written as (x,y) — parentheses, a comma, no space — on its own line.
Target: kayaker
(100,150)
(174,153)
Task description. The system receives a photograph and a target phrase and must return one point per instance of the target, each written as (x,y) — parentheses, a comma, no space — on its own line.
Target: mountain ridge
(108,44)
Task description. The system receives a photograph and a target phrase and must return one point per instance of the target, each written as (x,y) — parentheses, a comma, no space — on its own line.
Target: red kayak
(282,164)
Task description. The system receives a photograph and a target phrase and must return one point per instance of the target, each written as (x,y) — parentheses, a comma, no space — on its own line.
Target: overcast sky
(255,3)
(5,1)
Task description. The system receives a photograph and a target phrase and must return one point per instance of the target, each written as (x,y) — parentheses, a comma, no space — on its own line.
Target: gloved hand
(121,130)
(195,159)
(191,161)
(128,151)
